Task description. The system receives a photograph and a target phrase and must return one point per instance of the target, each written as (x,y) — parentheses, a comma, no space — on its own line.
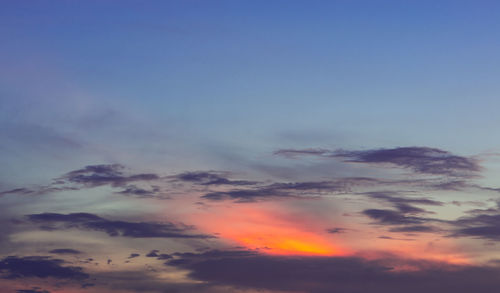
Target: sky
(239,146)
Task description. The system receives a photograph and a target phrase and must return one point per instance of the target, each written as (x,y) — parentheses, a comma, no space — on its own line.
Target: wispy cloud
(54,221)
(65,251)
(422,160)
(97,175)
(210,178)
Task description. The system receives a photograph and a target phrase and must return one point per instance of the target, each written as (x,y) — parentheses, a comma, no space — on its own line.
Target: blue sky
(337,115)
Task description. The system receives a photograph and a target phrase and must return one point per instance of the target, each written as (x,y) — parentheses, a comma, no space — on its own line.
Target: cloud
(141,192)
(414,228)
(94,176)
(16,191)
(293,153)
(336,230)
(113,228)
(391,217)
(482,224)
(38,191)
(246,195)
(334,274)
(153,253)
(210,178)
(98,175)
(162,256)
(422,160)
(403,204)
(292,189)
(14,267)
(405,214)
(32,291)
(65,251)
(134,255)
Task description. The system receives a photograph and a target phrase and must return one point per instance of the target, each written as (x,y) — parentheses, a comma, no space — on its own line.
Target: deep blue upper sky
(203,77)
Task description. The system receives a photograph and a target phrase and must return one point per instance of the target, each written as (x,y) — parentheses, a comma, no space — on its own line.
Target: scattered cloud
(292,189)
(210,178)
(422,160)
(53,221)
(97,175)
(481,224)
(134,255)
(14,267)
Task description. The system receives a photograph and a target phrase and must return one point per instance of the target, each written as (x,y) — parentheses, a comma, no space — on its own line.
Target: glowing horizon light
(264,228)
(283,245)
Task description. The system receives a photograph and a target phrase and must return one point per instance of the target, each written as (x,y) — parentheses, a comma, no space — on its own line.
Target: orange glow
(276,229)
(288,245)
(267,231)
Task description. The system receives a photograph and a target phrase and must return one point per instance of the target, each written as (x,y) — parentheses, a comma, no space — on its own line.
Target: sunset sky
(276,146)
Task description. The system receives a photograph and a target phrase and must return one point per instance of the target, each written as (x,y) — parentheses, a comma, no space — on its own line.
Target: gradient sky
(249,146)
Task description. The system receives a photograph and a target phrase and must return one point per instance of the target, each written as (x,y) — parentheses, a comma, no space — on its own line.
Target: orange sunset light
(298,244)
(267,231)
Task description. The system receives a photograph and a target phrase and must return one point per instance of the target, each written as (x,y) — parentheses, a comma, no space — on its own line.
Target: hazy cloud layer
(335,274)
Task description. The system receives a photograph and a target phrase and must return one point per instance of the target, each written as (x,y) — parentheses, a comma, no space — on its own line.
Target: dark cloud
(244,269)
(392,238)
(164,256)
(414,228)
(336,230)
(391,217)
(97,175)
(481,226)
(454,185)
(153,253)
(403,204)
(113,228)
(210,178)
(159,256)
(65,251)
(397,200)
(14,267)
(406,215)
(480,223)
(423,160)
(32,291)
(246,195)
(419,159)
(293,153)
(134,255)
(141,192)
(291,189)
(16,191)
(38,191)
